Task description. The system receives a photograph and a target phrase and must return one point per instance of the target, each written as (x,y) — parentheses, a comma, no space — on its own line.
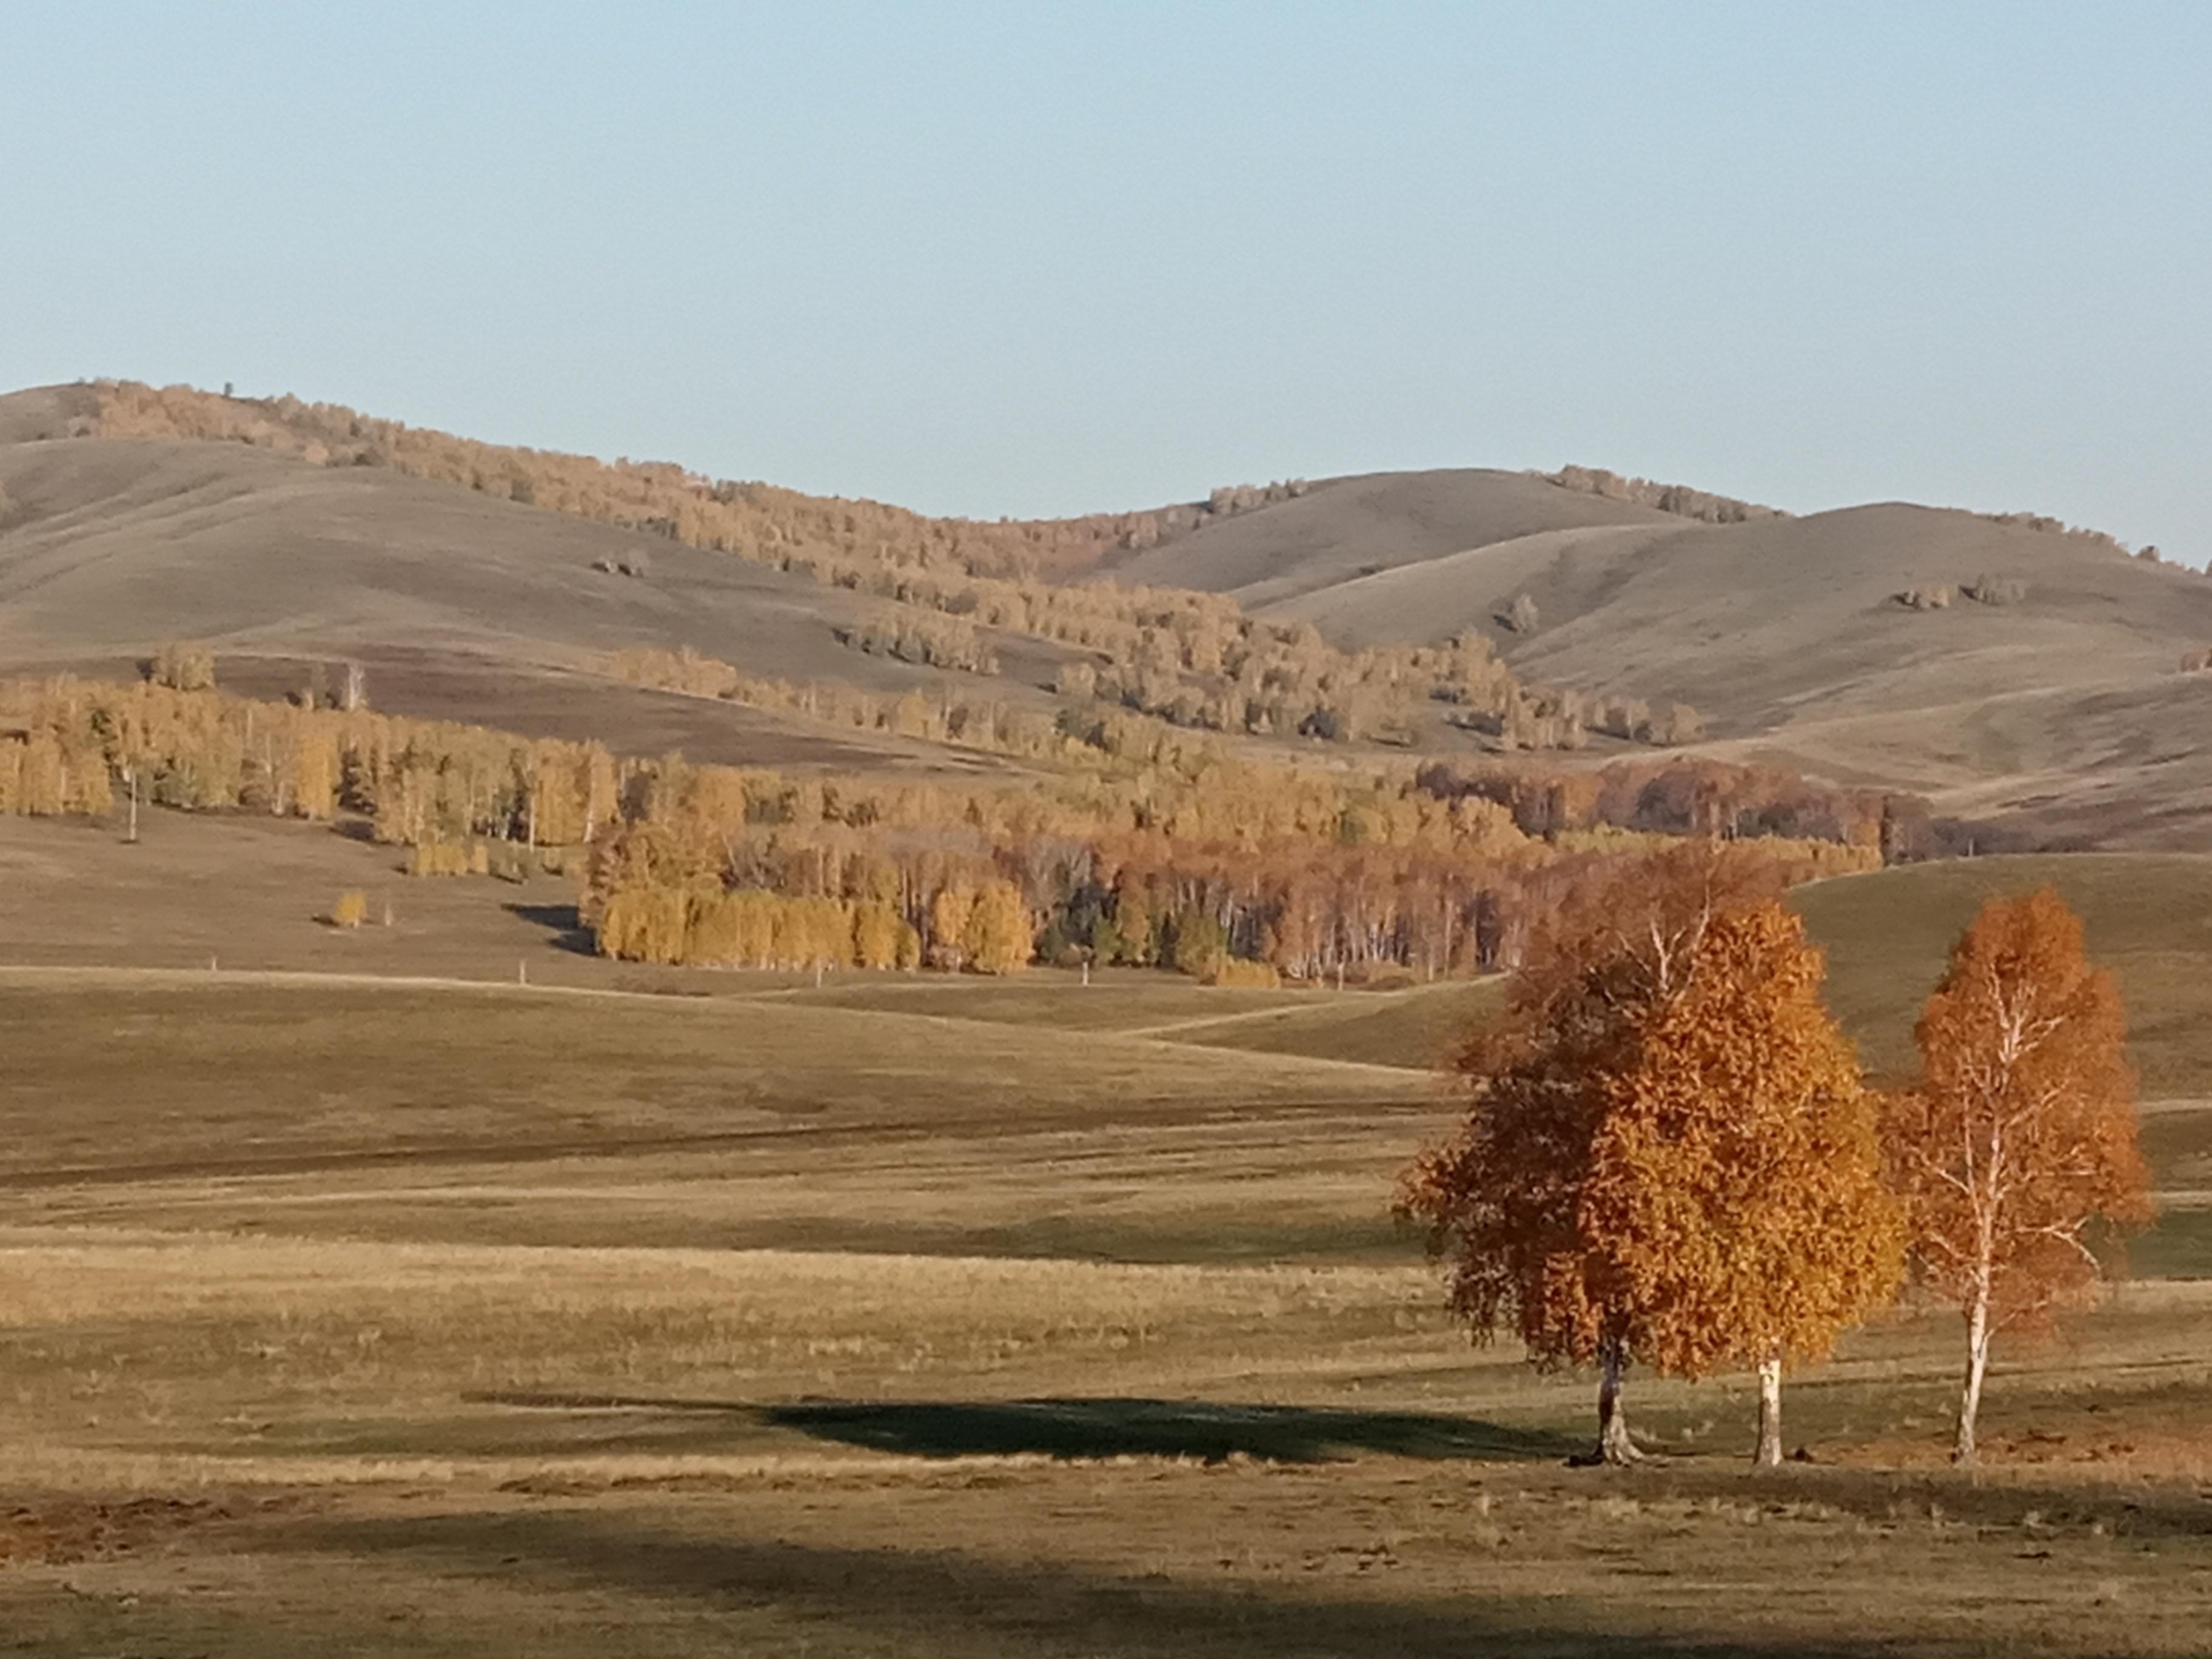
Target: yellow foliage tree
(1736,1174)
(1002,934)
(876,930)
(949,912)
(184,667)
(314,772)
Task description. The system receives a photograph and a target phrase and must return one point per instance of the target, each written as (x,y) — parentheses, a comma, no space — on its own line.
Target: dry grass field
(375,1303)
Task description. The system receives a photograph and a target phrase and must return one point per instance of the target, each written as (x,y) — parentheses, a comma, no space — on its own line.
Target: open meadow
(357,1299)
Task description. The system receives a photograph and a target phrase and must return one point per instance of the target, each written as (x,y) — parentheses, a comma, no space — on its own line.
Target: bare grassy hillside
(2060,707)
(463,605)
(1343,528)
(2054,714)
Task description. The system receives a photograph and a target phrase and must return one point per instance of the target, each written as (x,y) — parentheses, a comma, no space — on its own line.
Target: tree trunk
(1978,1365)
(1614,1445)
(1769,1455)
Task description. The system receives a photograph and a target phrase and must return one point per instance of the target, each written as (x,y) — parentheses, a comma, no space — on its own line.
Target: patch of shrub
(1678,499)
(183,667)
(1986,589)
(449,858)
(1236,973)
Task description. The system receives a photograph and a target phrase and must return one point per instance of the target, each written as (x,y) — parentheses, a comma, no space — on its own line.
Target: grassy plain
(339,1315)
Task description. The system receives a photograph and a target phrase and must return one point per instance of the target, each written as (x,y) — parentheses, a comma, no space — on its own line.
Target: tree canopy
(1669,1156)
(2019,1142)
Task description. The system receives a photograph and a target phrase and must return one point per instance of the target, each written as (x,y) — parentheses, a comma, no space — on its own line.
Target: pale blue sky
(1038,259)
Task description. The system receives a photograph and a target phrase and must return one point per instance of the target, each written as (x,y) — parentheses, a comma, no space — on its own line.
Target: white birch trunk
(1614,1445)
(1769,1455)
(1978,1365)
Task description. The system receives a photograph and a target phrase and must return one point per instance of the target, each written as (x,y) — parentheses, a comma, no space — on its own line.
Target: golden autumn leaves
(1737,1167)
(1672,1156)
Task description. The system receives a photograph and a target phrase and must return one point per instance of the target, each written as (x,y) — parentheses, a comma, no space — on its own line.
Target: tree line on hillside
(1294,684)
(932,639)
(67,745)
(1398,697)
(1223,501)
(658,498)
(1671,1158)
(1194,658)
(1194,861)
(1692,796)
(988,722)
(1678,499)
(1710,508)
(1458,890)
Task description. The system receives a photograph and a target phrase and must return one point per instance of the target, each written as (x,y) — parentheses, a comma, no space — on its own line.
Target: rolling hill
(2059,708)
(2055,717)
(461,604)
(1344,530)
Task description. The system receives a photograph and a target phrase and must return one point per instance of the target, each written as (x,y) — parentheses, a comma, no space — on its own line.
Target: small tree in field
(1737,1176)
(2021,1136)
(1510,1201)
(350,911)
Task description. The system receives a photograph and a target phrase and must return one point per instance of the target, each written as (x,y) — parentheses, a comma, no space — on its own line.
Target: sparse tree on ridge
(2020,1140)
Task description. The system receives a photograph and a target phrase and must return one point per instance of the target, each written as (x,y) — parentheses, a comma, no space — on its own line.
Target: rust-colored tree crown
(2019,1146)
(1668,1147)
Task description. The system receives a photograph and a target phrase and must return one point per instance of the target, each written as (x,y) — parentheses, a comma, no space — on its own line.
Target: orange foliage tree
(1737,1176)
(2019,1141)
(1668,1157)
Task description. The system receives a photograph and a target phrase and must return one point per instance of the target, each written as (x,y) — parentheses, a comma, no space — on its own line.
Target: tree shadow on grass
(1085,1428)
(562,921)
(1161,1428)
